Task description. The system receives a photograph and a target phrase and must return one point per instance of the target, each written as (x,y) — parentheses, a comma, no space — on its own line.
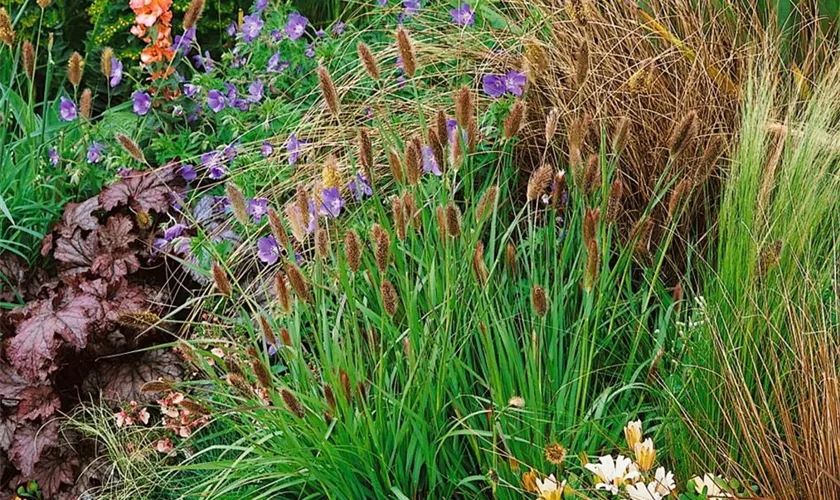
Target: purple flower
(320,33)
(174,231)
(382,3)
(205,62)
(452,130)
(411,7)
(256,91)
(116,72)
(275,65)
(67,109)
(217,171)
(310,51)
(331,202)
(295,26)
(515,82)
(230,152)
(430,165)
(183,43)
(293,148)
(142,102)
(260,5)
(276,36)
(338,28)
(54,158)
(212,162)
(251,27)
(266,149)
(494,86)
(215,100)
(191,90)
(268,250)
(94,152)
(463,16)
(257,208)
(360,187)
(230,91)
(187,172)
(401,81)
(232,29)
(125,172)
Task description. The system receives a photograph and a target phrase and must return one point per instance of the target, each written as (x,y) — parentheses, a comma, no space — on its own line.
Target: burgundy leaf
(116,234)
(79,216)
(38,401)
(77,252)
(122,380)
(7,432)
(11,382)
(113,266)
(47,244)
(53,470)
(118,298)
(29,442)
(143,193)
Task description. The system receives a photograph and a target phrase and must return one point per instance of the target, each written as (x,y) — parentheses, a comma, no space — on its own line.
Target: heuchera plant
(93,306)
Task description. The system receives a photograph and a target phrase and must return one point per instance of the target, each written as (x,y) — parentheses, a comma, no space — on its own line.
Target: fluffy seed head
(440,213)
(614,201)
(302,199)
(398,213)
(551,124)
(298,282)
(368,60)
(75,67)
(396,166)
(413,162)
(683,133)
(555,454)
(539,303)
(389,297)
(365,152)
(353,250)
(329,396)
(538,183)
(7,34)
(345,385)
(261,372)
(479,268)
(709,160)
(292,403)
(131,147)
(514,120)
(442,128)
(328,91)
(382,247)
(295,223)
(453,220)
(464,107)
(412,215)
(44,3)
(406,49)
(322,243)
(237,202)
(285,337)
(486,203)
(29,59)
(510,259)
(277,229)
(622,134)
(680,192)
(267,331)
(330,175)
(472,135)
(86,104)
(582,63)
(221,280)
(590,224)
(592,175)
(592,265)
(193,13)
(105,61)
(640,237)
(155,386)
(436,143)
(575,138)
(560,186)
(238,382)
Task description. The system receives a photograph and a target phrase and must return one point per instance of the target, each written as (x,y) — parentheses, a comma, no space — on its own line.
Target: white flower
(710,483)
(641,491)
(633,433)
(550,489)
(613,472)
(664,481)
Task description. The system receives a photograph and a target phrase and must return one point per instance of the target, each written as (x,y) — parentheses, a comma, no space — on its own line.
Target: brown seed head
(329,396)
(593,258)
(442,127)
(382,247)
(555,454)
(328,91)
(453,220)
(683,133)
(193,14)
(277,229)
(464,107)
(614,201)
(238,382)
(193,407)
(221,280)
(286,337)
(406,49)
(353,250)
(389,297)
(237,202)
(640,237)
(75,67)
(560,186)
(366,153)
(479,268)
(592,175)
(368,61)
(680,192)
(86,104)
(292,404)
(472,135)
(410,208)
(267,331)
(44,3)
(510,259)
(298,282)
(295,222)
(769,258)
(539,182)
(486,203)
(539,303)
(131,147)
(322,243)
(514,120)
(29,59)
(302,199)
(105,62)
(156,386)
(709,160)
(345,385)
(413,161)
(262,373)
(590,224)
(551,124)
(622,135)
(582,63)
(398,213)
(7,33)
(436,143)
(440,213)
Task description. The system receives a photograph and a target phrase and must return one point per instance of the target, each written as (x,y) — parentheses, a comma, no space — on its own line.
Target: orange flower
(156,54)
(148,11)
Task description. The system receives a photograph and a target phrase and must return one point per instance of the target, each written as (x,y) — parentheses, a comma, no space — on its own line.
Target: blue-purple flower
(411,7)
(141,102)
(266,149)
(310,50)
(494,85)
(260,5)
(125,172)
(515,82)
(295,26)
(360,187)
(204,62)
(320,33)
(331,202)
(257,208)
(293,149)
(216,100)
(67,109)
(268,250)
(276,65)
(94,152)
(213,163)
(174,231)
(382,3)
(339,28)
(430,164)
(463,16)
(276,36)
(216,171)
(183,43)
(251,27)
(232,29)
(187,172)
(191,90)
(230,152)
(116,72)
(256,91)
(53,155)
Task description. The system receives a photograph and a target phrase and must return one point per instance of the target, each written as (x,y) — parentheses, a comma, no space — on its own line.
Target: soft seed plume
(86,104)
(709,160)
(322,243)
(382,247)
(193,14)
(298,282)
(539,182)
(442,127)
(590,224)
(582,64)
(221,280)
(396,166)
(682,134)
(678,195)
(345,385)
(614,201)
(551,122)
(292,403)
(302,200)
(436,143)
(464,107)
(131,147)
(366,153)
(472,135)
(514,120)
(329,396)
(267,331)
(398,214)
(7,33)
(75,68)
(575,138)
(237,202)
(353,250)
(486,203)
(262,373)
(295,222)
(412,214)
(29,59)
(440,214)
(559,187)
(555,454)
(281,289)
(44,3)
(539,302)
(105,62)
(479,268)
(592,175)
(277,229)
(453,220)
(640,237)
(622,134)
(238,382)
(368,60)
(327,85)
(389,297)
(285,337)
(155,386)
(193,407)
(405,47)
(510,259)
(593,259)
(330,175)
(413,162)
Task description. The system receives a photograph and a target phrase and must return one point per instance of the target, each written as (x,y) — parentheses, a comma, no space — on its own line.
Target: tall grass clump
(761,397)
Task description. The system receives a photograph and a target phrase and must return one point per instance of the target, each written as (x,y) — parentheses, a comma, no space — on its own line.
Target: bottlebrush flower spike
(292,403)
(328,91)
(353,250)
(682,134)
(298,282)
(221,280)
(368,60)
(389,297)
(539,303)
(405,47)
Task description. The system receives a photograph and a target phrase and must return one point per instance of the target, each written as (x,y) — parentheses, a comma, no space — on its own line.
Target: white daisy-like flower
(550,488)
(613,472)
(710,483)
(642,491)
(664,481)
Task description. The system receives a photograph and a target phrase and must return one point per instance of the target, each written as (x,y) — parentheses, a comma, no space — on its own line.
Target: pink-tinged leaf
(116,234)
(79,216)
(30,441)
(118,298)
(38,402)
(11,382)
(114,266)
(143,193)
(121,380)
(8,424)
(54,470)
(47,244)
(77,252)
